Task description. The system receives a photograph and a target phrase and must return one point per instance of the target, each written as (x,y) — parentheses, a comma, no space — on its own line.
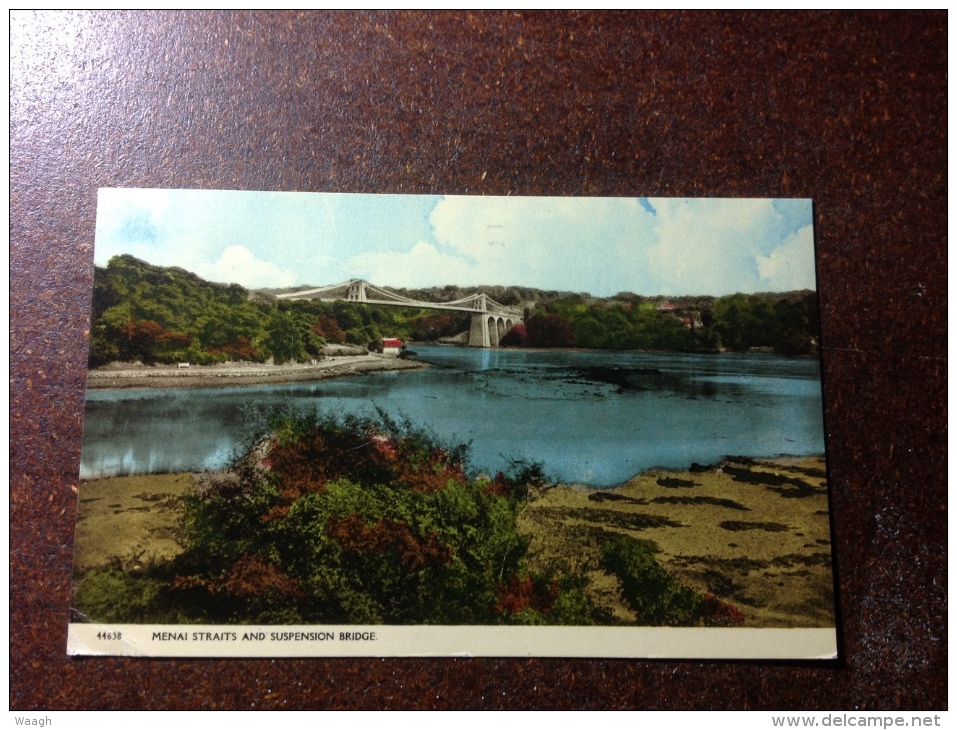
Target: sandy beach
(212,376)
(754,533)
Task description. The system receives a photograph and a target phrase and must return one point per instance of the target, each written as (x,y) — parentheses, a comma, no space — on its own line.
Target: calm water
(595,418)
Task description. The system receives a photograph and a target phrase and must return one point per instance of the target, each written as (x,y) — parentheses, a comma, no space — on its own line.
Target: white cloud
(791,265)
(708,246)
(415,268)
(579,244)
(238,265)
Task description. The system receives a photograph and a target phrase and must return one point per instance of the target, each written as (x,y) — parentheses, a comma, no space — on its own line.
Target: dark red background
(848,109)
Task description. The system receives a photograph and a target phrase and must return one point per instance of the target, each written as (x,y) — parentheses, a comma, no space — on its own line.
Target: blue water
(556,407)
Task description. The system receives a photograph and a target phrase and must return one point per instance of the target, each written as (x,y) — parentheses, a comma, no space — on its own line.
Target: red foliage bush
(718,613)
(385,536)
(549,330)
(517,336)
(327,328)
(249,577)
(425,473)
(324,455)
(239,349)
(522,593)
(500,486)
(147,340)
(142,331)
(253,577)
(434,326)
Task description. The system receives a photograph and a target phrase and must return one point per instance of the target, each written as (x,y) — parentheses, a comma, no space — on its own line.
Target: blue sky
(602,246)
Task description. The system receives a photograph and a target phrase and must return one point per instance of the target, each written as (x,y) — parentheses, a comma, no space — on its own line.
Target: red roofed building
(391,345)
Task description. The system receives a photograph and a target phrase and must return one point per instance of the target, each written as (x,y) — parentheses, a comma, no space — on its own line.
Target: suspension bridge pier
(488,329)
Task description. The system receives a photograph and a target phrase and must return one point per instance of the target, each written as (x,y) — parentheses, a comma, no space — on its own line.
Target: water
(595,418)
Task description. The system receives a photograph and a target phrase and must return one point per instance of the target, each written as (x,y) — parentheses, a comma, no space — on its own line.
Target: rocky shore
(231,374)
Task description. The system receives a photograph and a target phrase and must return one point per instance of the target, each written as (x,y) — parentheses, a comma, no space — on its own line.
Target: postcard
(325,424)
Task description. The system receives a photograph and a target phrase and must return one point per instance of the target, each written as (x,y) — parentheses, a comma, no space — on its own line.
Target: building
(391,346)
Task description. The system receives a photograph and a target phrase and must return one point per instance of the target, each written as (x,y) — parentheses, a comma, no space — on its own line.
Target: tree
(549,330)
(283,339)
(327,328)
(517,336)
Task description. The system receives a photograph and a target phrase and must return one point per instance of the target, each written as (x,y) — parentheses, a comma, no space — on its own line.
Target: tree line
(157,314)
(784,323)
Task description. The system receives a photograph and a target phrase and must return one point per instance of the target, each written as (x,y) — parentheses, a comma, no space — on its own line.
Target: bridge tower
(488,328)
(357,291)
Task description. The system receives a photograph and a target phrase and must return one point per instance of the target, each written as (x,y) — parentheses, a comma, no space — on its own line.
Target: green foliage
(657,597)
(616,325)
(283,338)
(116,594)
(162,315)
(786,323)
(362,521)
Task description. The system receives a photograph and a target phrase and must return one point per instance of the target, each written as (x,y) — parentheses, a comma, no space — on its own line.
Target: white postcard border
(451,641)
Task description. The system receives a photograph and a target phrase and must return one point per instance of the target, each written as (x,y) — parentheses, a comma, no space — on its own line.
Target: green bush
(657,597)
(362,521)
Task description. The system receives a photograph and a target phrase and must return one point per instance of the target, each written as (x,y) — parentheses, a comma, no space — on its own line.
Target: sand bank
(212,376)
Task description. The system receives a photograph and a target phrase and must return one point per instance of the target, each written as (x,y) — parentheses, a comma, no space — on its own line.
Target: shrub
(517,336)
(127,591)
(112,595)
(362,521)
(657,597)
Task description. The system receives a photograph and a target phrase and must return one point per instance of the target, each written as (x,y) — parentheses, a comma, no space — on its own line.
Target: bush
(658,598)
(363,521)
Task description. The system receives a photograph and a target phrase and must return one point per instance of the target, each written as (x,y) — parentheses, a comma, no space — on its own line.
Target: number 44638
(109,635)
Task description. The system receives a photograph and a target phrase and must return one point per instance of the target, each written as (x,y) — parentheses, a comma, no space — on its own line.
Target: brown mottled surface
(846,108)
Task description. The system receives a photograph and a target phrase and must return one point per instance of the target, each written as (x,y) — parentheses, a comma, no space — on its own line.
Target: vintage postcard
(403,425)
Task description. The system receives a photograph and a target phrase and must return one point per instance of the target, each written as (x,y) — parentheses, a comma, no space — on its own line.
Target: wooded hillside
(167,314)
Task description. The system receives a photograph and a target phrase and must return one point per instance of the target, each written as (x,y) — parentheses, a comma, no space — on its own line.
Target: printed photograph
(337,424)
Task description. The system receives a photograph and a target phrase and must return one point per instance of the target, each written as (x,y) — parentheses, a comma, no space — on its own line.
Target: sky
(599,246)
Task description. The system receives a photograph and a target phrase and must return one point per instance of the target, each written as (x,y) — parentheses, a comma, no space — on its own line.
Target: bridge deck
(355,291)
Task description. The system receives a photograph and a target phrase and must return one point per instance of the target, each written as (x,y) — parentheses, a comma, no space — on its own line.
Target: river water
(591,417)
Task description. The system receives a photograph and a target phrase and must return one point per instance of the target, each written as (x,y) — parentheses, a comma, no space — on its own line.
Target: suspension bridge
(490,320)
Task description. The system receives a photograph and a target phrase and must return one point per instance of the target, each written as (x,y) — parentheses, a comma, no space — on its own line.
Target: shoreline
(753,532)
(215,376)
(245,373)
(749,351)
